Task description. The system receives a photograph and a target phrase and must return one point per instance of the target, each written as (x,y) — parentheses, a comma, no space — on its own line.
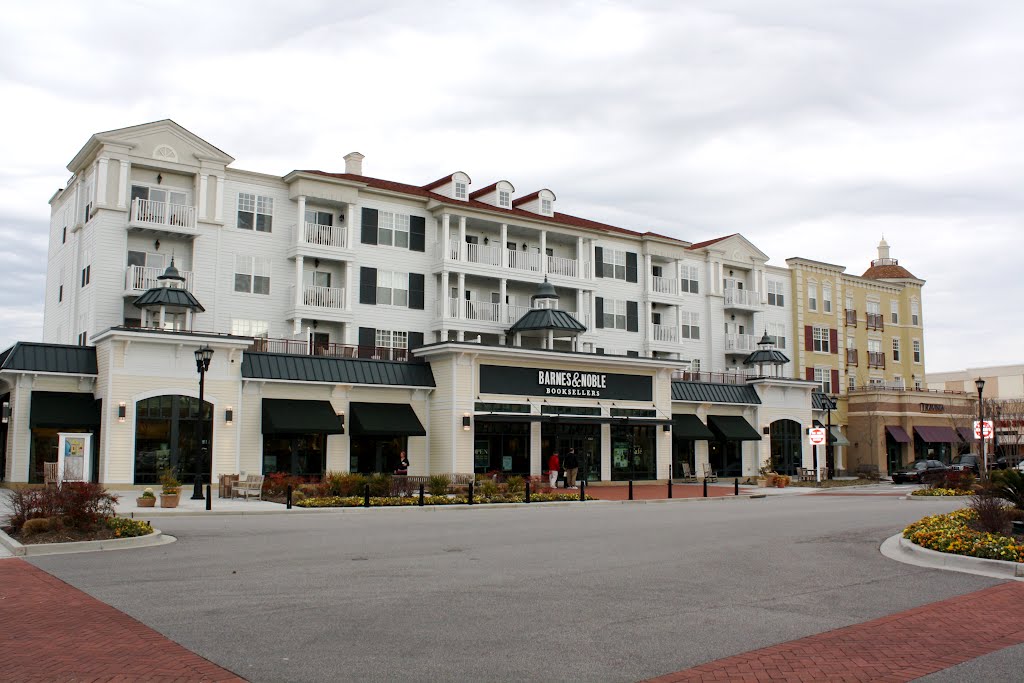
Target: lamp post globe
(203,356)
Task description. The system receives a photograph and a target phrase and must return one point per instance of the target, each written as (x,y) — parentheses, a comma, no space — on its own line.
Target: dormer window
(545,207)
(505,199)
(460,190)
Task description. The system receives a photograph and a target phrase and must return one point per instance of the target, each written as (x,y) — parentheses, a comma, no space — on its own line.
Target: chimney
(354,163)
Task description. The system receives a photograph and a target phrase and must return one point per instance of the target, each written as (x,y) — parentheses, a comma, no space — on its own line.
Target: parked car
(968,461)
(920,472)
(997,463)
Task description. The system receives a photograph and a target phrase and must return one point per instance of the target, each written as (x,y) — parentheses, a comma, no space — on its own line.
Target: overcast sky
(811,127)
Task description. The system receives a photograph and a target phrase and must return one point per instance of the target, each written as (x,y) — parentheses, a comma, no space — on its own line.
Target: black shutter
(369,233)
(632,317)
(416,291)
(368,286)
(415,340)
(417,233)
(598,260)
(598,312)
(630,266)
(367,341)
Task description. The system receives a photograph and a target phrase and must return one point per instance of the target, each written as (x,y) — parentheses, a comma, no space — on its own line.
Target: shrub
(438,484)
(488,488)
(1009,485)
(950,533)
(128,528)
(380,485)
(962,480)
(277,483)
(297,496)
(169,484)
(990,511)
(39,525)
(515,484)
(80,504)
(344,484)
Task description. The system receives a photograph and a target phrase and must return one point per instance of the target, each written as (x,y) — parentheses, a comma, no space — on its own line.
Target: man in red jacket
(553,466)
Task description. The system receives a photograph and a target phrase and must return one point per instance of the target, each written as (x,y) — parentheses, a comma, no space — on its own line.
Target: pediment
(739,249)
(162,141)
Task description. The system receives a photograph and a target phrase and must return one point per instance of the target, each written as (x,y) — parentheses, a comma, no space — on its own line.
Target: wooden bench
(706,473)
(251,485)
(805,474)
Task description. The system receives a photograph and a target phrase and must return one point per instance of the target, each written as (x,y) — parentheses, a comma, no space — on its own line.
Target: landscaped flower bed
(951,533)
(75,511)
(393,501)
(942,492)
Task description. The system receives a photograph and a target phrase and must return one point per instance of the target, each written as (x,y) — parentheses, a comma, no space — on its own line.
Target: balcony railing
(332,350)
(851,357)
(323,297)
(875,321)
(148,213)
(325,235)
(740,343)
(876,359)
(851,317)
(481,253)
(523,260)
(566,267)
(713,377)
(892,386)
(664,285)
(742,298)
(141,278)
(485,311)
(664,333)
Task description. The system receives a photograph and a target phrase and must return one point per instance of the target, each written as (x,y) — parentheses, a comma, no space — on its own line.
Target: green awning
(840,439)
(287,416)
(385,419)
(732,428)
(64,410)
(690,427)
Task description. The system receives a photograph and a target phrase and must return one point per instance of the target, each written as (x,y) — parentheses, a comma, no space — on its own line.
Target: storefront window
(167,436)
(684,452)
(786,445)
(634,454)
(296,454)
(502,447)
(371,455)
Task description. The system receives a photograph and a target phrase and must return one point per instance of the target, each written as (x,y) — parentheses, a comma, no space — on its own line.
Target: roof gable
(736,247)
(164,141)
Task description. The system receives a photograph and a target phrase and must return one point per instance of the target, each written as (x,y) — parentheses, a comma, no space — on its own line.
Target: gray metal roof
(766,357)
(548,319)
(169,296)
(706,392)
(818,401)
(37,357)
(296,368)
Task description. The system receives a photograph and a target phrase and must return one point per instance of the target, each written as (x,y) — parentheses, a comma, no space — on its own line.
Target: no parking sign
(816,435)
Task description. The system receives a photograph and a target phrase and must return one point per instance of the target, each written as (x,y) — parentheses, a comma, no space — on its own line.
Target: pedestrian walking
(572,466)
(553,466)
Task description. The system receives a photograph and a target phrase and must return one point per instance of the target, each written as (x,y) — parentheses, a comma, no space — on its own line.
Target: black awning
(385,419)
(288,416)
(732,428)
(690,427)
(64,410)
(507,417)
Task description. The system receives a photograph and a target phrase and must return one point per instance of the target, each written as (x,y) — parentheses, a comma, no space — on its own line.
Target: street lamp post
(829,452)
(980,383)
(203,356)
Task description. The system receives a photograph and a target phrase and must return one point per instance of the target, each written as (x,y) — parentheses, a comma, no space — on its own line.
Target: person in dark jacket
(572,466)
(403,465)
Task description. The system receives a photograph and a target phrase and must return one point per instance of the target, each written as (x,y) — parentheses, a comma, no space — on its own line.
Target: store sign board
(500,379)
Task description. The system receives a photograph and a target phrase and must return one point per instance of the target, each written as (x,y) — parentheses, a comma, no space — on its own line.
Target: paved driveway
(607,592)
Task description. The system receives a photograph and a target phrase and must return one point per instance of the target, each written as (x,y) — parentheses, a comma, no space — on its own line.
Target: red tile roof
(483,190)
(706,243)
(561,218)
(888,272)
(439,182)
(526,198)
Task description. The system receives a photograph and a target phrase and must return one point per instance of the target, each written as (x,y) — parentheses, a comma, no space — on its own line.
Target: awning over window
(732,428)
(897,433)
(966,434)
(385,419)
(936,434)
(64,410)
(840,440)
(287,416)
(690,427)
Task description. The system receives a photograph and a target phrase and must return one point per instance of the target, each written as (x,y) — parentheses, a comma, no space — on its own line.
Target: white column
(462,243)
(163,316)
(445,296)
(298,281)
(122,186)
(606,452)
(101,181)
(594,265)
(536,466)
(679,275)
(543,252)
(502,306)
(579,305)
(349,272)
(504,248)
(648,274)
(551,339)
(204,181)
(218,206)
(300,221)
(579,257)
(679,322)
(352,220)
(446,222)
(461,298)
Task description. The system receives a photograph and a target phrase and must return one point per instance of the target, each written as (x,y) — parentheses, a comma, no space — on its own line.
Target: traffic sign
(816,435)
(985,429)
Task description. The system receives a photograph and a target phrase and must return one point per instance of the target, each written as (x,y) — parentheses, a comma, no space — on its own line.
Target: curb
(902,550)
(35,549)
(932,499)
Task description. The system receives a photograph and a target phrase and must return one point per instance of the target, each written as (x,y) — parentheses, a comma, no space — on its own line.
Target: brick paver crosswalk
(899,647)
(54,632)
(655,491)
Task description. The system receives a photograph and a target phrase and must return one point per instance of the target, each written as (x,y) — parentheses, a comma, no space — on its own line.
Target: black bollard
(583,490)
(366,496)
(288,498)
(705,487)
(670,486)
(209,498)
(421,495)
(737,485)
(527,498)
(470,493)
(631,489)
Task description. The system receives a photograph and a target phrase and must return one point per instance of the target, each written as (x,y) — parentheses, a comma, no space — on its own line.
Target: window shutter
(368,286)
(632,316)
(367,342)
(630,266)
(369,232)
(415,340)
(809,373)
(598,312)
(417,234)
(416,281)
(808,338)
(835,381)
(598,260)
(833,340)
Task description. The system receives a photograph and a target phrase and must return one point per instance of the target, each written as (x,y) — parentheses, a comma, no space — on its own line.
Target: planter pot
(780,483)
(762,483)
(146,502)
(169,500)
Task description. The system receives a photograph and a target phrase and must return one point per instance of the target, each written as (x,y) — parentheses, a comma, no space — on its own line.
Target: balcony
(876,359)
(664,333)
(526,261)
(485,311)
(713,377)
(851,317)
(482,253)
(137,279)
(325,235)
(323,297)
(742,299)
(331,350)
(875,321)
(163,217)
(851,357)
(740,343)
(664,285)
(523,260)
(564,267)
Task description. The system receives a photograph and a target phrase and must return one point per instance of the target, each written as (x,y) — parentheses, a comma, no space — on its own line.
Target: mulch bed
(64,536)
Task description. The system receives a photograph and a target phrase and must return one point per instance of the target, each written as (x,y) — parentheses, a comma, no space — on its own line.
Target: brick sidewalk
(656,491)
(899,647)
(54,632)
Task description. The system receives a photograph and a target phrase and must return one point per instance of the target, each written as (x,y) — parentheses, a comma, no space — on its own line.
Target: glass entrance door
(586,452)
(634,455)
